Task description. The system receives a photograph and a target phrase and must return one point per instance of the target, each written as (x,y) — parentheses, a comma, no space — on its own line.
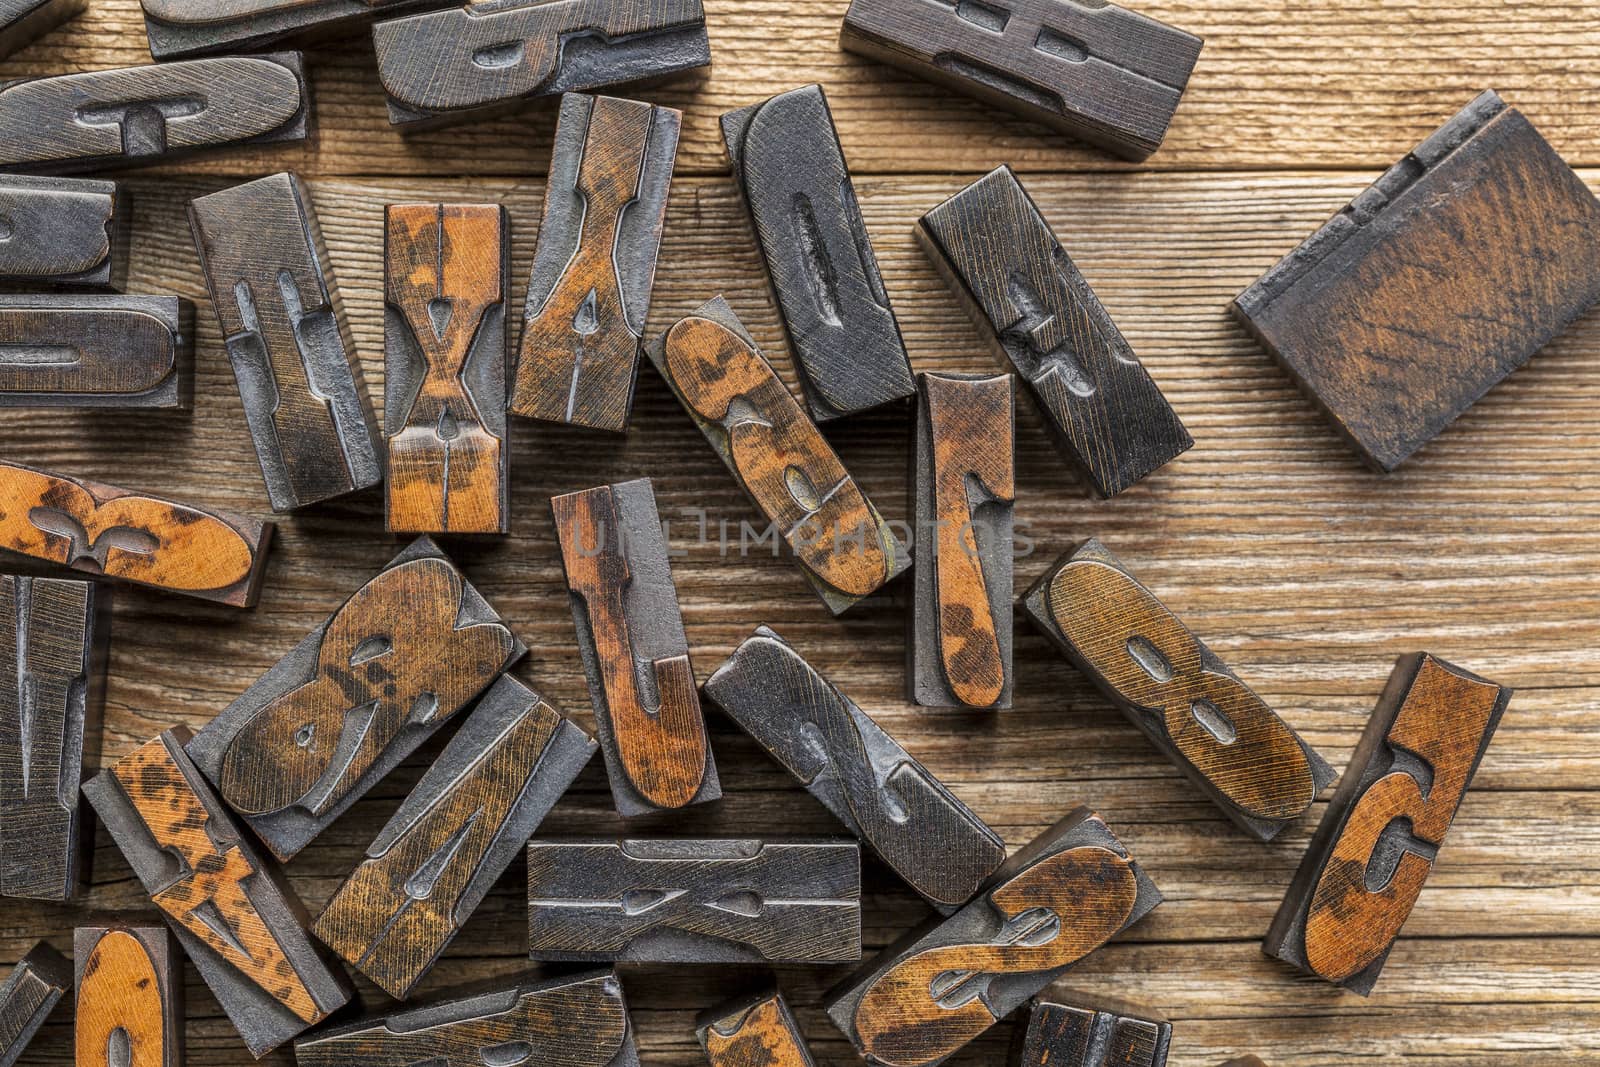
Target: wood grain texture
(68,232)
(96,351)
(32,989)
(1245,1061)
(1068,1028)
(757,1031)
(128,1011)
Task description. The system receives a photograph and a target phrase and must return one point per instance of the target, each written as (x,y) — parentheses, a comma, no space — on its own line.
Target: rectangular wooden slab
(1069,1028)
(753,1031)
(128,1010)
(182,28)
(30,992)
(63,232)
(96,350)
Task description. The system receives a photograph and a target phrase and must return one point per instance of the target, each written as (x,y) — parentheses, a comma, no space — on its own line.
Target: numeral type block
(836,314)
(24,21)
(445,274)
(96,351)
(1445,276)
(179,28)
(29,994)
(589,294)
(787,468)
(130,997)
(1212,726)
(242,929)
(1377,841)
(880,792)
(1068,1029)
(945,983)
(695,901)
(757,1031)
(456,833)
(69,232)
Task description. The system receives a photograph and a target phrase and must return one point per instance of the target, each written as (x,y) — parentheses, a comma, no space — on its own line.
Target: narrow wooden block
(153,113)
(879,791)
(398,660)
(67,232)
(625,608)
(757,1031)
(445,275)
(455,834)
(24,21)
(836,313)
(723,900)
(130,997)
(589,294)
(943,984)
(178,28)
(1377,841)
(132,537)
(1212,726)
(233,914)
(30,993)
(1445,276)
(1066,1028)
(788,469)
(96,351)
(278,305)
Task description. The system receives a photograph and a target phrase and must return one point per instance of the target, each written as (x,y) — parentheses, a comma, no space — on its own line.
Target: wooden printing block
(131,536)
(29,994)
(24,21)
(997,253)
(1371,854)
(836,314)
(635,653)
(946,982)
(232,912)
(445,277)
(589,293)
(1445,276)
(1214,728)
(723,900)
(129,1009)
(98,350)
(179,28)
(457,832)
(278,306)
(66,232)
(753,1031)
(1067,1028)
(858,772)
(786,467)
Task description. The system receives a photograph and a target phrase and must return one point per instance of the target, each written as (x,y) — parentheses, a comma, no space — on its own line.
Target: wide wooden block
(63,232)
(178,28)
(97,350)
(32,990)
(1067,1028)
(24,21)
(753,1031)
(129,1007)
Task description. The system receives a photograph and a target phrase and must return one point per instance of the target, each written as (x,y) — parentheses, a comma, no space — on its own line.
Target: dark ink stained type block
(1449,273)
(754,1031)
(1068,1029)
(1376,844)
(130,997)
(63,232)
(24,21)
(32,990)
(836,314)
(97,350)
(445,275)
(943,984)
(788,469)
(279,309)
(858,772)
(635,653)
(1141,656)
(181,28)
(396,661)
(995,251)
(153,113)
(723,900)
(589,293)
(456,833)
(233,913)
(479,58)
(132,537)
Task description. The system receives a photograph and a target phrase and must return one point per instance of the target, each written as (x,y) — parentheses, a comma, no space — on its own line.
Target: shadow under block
(446,272)
(595,266)
(25,21)
(942,985)
(1214,728)
(404,654)
(887,799)
(634,650)
(97,350)
(129,1007)
(63,232)
(785,465)
(1449,273)
(182,28)
(278,307)
(32,990)
(997,253)
(721,900)
(232,912)
(841,329)
(120,534)
(757,1031)
(1068,1029)
(1372,852)
(454,835)
(1246,1061)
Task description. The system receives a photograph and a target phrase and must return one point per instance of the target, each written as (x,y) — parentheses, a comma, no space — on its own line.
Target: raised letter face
(758,1034)
(128,985)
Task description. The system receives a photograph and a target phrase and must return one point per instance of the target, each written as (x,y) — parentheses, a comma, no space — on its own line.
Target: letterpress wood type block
(399,659)
(577,1021)
(1445,276)
(30,993)
(154,113)
(178,28)
(445,275)
(279,309)
(635,653)
(24,21)
(63,232)
(1377,841)
(879,791)
(786,467)
(786,900)
(836,314)
(478,58)
(1068,1029)
(757,1031)
(456,833)
(130,997)
(231,911)
(995,251)
(132,537)
(98,350)
(589,293)
(945,983)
